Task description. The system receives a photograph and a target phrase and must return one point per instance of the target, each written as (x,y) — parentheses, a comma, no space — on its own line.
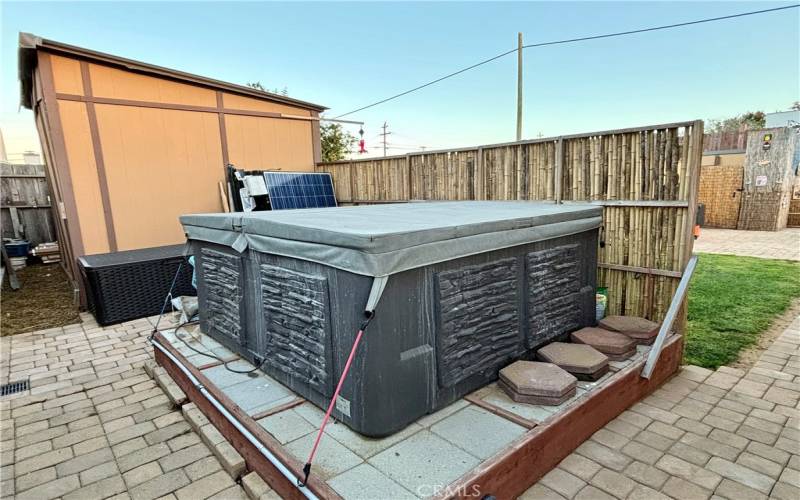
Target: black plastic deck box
(121,286)
(462,289)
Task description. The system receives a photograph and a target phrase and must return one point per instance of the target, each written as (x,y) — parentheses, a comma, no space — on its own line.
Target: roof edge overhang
(29,44)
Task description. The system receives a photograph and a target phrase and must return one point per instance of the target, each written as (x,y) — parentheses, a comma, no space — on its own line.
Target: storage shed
(130,146)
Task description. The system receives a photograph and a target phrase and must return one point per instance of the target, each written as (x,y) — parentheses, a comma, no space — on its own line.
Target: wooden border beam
(640,270)
(515,469)
(254,459)
(501,412)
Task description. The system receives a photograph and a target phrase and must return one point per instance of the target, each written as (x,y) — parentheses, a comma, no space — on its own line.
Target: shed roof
(29,44)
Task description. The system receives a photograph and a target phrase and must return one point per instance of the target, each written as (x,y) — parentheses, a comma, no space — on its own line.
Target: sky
(347,55)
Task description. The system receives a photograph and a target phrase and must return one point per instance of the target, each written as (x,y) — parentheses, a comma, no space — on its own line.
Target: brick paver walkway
(724,434)
(94,424)
(783,244)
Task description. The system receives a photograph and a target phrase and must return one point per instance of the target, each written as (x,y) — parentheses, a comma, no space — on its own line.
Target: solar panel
(289,190)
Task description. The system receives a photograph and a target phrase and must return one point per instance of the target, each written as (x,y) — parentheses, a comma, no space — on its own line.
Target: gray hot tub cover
(380,240)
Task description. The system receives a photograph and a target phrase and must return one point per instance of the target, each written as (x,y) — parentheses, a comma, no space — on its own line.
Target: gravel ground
(44,301)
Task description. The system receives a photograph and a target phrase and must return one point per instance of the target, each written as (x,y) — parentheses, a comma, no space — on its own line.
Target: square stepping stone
(423,460)
(615,345)
(537,383)
(495,433)
(581,360)
(643,331)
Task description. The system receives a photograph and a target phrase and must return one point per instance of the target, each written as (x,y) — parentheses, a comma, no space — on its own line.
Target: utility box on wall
(769,173)
(469,288)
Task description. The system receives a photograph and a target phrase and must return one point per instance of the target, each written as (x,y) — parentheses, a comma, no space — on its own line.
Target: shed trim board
(98,157)
(222,131)
(181,107)
(29,41)
(505,475)
(58,166)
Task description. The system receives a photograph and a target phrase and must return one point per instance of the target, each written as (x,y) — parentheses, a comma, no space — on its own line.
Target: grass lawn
(732,300)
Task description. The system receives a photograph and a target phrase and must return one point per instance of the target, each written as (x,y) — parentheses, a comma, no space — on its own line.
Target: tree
(749,120)
(258,86)
(336,142)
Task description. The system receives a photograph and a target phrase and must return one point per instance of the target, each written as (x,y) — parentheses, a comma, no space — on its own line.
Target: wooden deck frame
(254,460)
(506,475)
(515,469)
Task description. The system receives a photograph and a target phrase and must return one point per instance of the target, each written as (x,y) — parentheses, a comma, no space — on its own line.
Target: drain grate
(14,387)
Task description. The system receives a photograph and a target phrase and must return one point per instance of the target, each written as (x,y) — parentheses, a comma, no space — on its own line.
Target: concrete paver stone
(535,382)
(581,360)
(642,330)
(616,346)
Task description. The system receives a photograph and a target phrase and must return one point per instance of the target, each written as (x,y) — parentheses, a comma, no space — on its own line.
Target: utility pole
(384,134)
(519,86)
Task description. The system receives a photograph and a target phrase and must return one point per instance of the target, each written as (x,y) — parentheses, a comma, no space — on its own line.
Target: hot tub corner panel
(478,318)
(296,316)
(554,293)
(221,296)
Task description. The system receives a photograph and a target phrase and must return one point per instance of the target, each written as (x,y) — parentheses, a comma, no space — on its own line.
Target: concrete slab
(255,410)
(615,345)
(363,446)
(496,433)
(365,482)
(332,457)
(257,393)
(224,378)
(311,413)
(286,426)
(429,420)
(423,462)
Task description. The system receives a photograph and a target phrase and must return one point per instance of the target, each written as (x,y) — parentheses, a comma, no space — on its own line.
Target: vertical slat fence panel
(646,178)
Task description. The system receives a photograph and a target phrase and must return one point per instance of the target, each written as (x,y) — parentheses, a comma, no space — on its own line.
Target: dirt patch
(749,357)
(44,301)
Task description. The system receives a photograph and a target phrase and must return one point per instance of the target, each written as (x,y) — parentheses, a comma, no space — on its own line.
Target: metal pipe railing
(238,425)
(672,313)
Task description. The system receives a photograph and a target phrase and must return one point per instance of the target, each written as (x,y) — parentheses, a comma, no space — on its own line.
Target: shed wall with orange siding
(130,152)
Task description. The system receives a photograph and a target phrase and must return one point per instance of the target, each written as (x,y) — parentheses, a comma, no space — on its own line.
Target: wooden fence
(645,177)
(25,197)
(732,140)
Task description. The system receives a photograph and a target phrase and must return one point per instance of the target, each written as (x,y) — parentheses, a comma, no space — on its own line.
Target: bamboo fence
(646,178)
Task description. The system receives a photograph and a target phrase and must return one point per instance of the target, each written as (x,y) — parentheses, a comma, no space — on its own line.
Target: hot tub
(459,290)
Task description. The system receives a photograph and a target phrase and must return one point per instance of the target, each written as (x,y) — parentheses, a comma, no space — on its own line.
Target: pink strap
(335,395)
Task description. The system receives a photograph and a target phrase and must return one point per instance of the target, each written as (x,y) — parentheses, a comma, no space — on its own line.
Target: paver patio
(704,434)
(784,244)
(94,424)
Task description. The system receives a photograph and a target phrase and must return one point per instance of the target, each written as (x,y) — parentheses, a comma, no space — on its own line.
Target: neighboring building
(783,119)
(130,146)
(753,189)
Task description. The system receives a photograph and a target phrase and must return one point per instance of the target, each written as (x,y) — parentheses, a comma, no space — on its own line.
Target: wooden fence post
(558,180)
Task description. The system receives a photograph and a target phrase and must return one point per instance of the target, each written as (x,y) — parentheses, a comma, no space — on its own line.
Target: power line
(570,40)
